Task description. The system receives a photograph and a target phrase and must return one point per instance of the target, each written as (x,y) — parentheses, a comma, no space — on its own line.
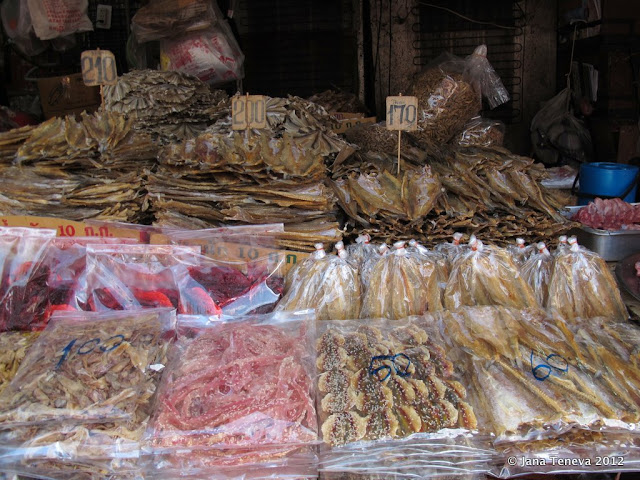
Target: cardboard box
(67,95)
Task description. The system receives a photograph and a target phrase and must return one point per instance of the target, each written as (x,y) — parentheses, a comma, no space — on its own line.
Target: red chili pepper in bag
(151,298)
(106,298)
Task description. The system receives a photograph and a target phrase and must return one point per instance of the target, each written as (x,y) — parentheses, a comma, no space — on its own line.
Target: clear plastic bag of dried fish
(96,367)
(582,286)
(521,252)
(487,275)
(481,131)
(130,277)
(387,388)
(162,18)
(13,348)
(401,285)
(237,391)
(360,250)
(533,381)
(23,282)
(537,272)
(330,284)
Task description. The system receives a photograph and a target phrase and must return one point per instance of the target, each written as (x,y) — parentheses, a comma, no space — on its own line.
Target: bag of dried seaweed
(237,392)
(86,366)
(487,275)
(481,131)
(13,348)
(391,402)
(23,291)
(582,286)
(331,286)
(537,272)
(401,285)
(128,277)
(446,100)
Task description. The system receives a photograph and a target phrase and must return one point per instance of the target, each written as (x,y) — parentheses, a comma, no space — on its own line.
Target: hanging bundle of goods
(79,169)
(170,106)
(272,175)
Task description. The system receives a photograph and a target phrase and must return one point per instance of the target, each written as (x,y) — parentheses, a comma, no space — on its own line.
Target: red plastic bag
(23,292)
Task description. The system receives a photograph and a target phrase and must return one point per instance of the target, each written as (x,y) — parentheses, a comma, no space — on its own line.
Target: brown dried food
(13,348)
(96,370)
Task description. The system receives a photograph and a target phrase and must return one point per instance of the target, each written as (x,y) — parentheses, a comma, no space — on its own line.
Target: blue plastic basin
(607,179)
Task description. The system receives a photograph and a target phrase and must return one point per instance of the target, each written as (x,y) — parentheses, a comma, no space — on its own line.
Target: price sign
(248,111)
(402,113)
(98,68)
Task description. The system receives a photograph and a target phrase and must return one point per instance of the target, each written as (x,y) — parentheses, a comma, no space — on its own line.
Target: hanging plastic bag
(167,18)
(331,286)
(401,285)
(236,392)
(17,24)
(537,272)
(484,78)
(23,290)
(556,134)
(483,132)
(59,18)
(77,346)
(391,402)
(487,276)
(212,55)
(128,277)
(582,286)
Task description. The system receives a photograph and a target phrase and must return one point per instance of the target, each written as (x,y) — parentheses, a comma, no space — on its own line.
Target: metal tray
(610,245)
(626,273)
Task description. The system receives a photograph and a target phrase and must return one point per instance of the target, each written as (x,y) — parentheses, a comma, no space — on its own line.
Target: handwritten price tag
(402,113)
(98,68)
(248,111)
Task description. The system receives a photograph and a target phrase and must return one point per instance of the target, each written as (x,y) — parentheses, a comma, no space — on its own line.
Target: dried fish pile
(486,191)
(536,380)
(170,106)
(13,347)
(78,406)
(376,138)
(80,169)
(274,175)
(338,101)
(10,142)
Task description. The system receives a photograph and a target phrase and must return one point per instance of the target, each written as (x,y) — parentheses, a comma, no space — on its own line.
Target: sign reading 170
(402,113)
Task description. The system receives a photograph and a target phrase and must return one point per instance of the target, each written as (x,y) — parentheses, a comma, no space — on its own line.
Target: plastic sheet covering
(94,367)
(23,294)
(128,277)
(392,404)
(237,392)
(487,275)
(401,285)
(330,285)
(537,271)
(583,286)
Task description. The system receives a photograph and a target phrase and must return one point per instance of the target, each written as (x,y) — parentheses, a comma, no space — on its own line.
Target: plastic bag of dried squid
(391,402)
(330,284)
(237,393)
(23,291)
(128,277)
(402,284)
(582,286)
(538,385)
(487,275)
(241,270)
(90,367)
(481,131)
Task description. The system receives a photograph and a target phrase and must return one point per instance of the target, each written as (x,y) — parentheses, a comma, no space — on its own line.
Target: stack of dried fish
(274,175)
(79,169)
(168,105)
(10,142)
(485,191)
(338,101)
